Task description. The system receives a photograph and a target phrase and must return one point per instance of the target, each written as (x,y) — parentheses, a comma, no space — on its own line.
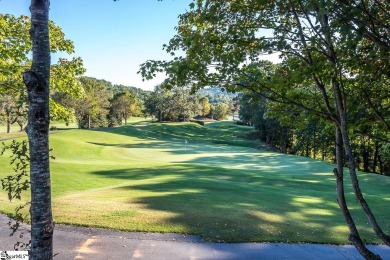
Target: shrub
(198,122)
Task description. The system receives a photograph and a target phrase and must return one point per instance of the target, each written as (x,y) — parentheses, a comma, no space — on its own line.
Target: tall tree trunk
(340,104)
(37,83)
(339,114)
(381,166)
(307,149)
(8,124)
(21,126)
(356,187)
(365,154)
(376,156)
(314,150)
(354,236)
(351,164)
(315,142)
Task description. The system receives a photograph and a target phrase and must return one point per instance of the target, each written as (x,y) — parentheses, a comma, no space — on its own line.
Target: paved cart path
(72,242)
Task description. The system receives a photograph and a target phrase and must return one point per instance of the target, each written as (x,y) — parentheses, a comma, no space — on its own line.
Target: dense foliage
(15,46)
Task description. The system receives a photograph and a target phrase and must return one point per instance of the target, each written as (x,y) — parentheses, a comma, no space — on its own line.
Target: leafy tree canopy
(15,53)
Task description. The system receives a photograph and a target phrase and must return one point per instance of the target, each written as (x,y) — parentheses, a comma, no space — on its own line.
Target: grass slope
(200,180)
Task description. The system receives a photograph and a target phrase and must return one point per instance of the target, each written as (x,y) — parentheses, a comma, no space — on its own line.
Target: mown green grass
(187,178)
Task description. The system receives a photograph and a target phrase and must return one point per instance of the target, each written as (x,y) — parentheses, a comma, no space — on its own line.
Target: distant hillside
(216,95)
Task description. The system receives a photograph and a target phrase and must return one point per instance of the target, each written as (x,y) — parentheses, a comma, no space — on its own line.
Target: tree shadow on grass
(234,205)
(237,195)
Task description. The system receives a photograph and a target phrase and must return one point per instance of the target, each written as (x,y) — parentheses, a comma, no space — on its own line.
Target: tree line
(107,105)
(303,134)
(174,103)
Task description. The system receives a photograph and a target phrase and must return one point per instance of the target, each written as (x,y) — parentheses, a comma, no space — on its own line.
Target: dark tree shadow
(235,206)
(228,191)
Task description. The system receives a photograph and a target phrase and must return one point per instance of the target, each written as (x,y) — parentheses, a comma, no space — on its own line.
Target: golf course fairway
(204,180)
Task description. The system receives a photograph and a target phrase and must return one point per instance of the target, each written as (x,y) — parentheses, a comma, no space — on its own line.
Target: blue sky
(113,38)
